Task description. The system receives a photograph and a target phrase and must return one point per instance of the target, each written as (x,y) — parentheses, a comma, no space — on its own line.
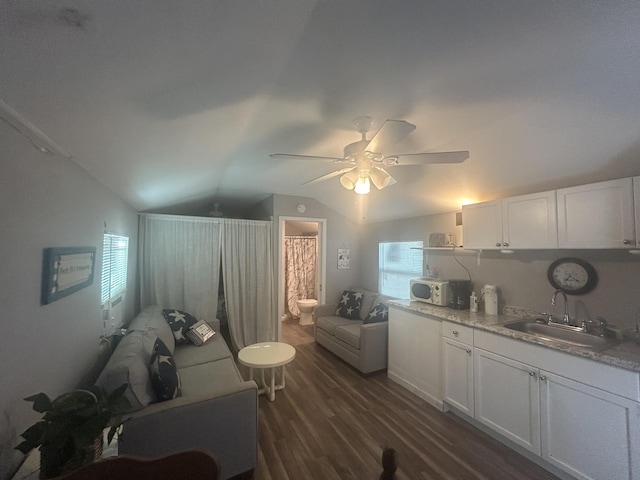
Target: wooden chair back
(191,464)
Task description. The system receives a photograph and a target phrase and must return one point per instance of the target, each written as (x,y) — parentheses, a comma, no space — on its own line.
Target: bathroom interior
(301,261)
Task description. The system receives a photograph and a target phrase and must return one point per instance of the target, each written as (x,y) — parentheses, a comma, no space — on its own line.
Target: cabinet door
(482,225)
(588,432)
(457,381)
(507,398)
(530,221)
(415,354)
(599,215)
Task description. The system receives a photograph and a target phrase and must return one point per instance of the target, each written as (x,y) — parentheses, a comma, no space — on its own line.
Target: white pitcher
(490,295)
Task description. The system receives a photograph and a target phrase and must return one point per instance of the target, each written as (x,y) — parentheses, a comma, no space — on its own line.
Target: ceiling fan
(367,159)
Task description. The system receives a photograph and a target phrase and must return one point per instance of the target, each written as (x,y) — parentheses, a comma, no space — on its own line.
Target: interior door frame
(322,262)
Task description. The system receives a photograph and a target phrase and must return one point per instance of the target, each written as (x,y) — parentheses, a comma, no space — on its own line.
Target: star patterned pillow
(349,306)
(164,376)
(180,323)
(378,313)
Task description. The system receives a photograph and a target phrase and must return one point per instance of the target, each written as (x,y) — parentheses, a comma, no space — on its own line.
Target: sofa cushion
(329,324)
(378,313)
(180,322)
(189,355)
(349,305)
(201,379)
(164,375)
(349,334)
(151,318)
(369,299)
(129,364)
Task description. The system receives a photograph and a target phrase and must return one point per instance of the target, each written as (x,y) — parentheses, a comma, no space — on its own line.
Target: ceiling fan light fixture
(362,185)
(349,179)
(380,178)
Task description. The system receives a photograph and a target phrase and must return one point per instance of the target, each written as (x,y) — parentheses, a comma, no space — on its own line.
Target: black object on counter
(460,293)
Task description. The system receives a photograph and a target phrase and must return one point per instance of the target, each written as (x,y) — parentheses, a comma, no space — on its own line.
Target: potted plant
(70,432)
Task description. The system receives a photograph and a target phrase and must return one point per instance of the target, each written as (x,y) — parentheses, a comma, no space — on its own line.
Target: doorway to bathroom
(301,273)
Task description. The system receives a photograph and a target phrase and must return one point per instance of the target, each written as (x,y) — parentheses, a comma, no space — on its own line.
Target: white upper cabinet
(482,225)
(529,221)
(599,215)
(525,221)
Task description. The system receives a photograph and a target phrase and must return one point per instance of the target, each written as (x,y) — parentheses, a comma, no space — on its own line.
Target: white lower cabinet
(415,354)
(586,431)
(457,367)
(507,398)
(590,433)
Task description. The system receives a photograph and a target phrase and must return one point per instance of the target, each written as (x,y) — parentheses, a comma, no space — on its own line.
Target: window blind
(398,264)
(115,250)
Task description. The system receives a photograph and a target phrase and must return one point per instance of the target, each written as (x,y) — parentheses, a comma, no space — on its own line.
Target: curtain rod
(189,218)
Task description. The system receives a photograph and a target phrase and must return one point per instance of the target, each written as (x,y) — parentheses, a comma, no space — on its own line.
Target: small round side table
(267,355)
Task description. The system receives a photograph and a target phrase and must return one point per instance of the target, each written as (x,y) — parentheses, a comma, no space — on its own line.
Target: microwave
(435,292)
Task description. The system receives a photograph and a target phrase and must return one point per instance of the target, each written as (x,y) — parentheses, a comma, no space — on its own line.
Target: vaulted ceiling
(172,103)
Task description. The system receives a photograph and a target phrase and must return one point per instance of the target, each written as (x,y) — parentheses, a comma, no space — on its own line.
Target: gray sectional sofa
(215,410)
(362,345)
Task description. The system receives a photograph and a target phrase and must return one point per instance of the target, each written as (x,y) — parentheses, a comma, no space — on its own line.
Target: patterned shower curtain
(300,271)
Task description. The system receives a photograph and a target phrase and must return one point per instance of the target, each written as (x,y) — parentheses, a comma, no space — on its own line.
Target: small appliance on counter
(435,292)
(460,294)
(490,295)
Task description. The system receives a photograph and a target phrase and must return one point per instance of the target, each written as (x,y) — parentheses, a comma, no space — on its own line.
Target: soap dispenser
(473,302)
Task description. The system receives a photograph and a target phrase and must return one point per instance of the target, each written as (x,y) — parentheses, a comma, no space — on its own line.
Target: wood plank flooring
(331,423)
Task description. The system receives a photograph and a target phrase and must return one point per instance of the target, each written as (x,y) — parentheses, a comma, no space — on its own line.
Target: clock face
(572,275)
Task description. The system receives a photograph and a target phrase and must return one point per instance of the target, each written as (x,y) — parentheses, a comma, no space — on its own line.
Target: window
(115,250)
(398,264)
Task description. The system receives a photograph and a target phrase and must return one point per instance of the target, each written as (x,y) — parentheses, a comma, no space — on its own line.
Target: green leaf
(112,433)
(25,447)
(34,435)
(118,393)
(41,402)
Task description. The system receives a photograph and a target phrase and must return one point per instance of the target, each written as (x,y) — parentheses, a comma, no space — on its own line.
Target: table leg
(272,387)
(283,376)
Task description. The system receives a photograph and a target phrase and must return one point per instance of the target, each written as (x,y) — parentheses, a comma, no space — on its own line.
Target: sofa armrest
(224,422)
(324,310)
(374,340)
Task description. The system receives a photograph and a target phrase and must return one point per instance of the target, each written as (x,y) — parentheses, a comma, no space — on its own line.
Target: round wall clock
(572,275)
(301,208)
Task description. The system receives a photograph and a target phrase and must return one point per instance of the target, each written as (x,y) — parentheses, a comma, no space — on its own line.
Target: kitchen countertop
(622,354)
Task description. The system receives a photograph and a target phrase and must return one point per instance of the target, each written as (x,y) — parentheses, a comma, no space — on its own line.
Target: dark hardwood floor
(330,422)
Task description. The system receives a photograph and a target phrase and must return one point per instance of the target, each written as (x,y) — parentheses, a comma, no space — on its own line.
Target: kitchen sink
(558,333)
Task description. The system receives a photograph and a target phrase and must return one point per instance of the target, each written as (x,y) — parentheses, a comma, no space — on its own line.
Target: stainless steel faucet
(565,317)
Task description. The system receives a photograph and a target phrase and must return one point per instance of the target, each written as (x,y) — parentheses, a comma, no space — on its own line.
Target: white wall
(45,202)
(521,277)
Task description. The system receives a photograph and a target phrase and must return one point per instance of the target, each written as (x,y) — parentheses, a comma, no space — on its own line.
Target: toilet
(306,307)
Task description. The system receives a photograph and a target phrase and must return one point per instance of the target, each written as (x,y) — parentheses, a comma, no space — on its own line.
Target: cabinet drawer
(458,332)
(616,380)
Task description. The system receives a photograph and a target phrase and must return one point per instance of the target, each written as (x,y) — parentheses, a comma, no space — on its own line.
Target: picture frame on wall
(344,258)
(66,270)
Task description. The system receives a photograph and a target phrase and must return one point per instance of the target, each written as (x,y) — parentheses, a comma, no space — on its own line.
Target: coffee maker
(460,293)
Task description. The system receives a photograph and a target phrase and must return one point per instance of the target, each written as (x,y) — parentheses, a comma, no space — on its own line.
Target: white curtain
(300,271)
(249,286)
(179,263)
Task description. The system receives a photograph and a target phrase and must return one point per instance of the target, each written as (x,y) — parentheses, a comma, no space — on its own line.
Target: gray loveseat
(364,346)
(216,409)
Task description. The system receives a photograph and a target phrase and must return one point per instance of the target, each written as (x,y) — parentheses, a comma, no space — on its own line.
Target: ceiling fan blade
(429,158)
(390,133)
(290,156)
(329,175)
